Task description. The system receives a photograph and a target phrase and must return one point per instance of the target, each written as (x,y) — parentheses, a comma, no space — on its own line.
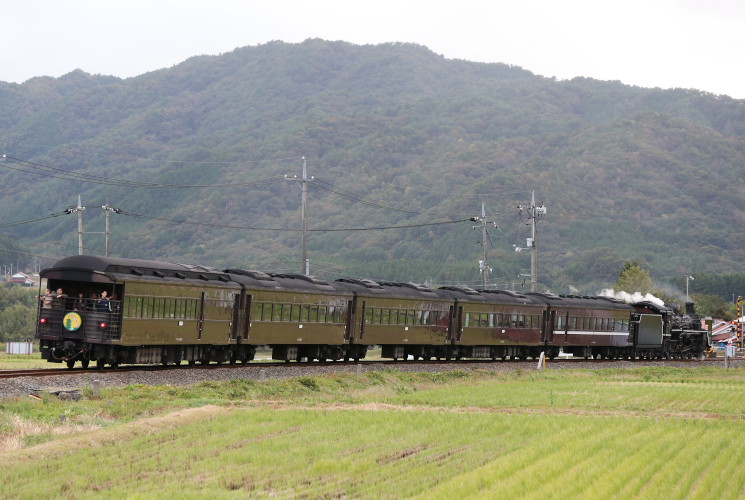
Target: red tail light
(102,325)
(43,321)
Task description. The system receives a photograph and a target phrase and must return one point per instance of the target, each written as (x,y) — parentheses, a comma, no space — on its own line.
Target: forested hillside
(393,135)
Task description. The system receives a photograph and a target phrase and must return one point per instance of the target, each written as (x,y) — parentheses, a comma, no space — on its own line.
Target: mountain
(393,135)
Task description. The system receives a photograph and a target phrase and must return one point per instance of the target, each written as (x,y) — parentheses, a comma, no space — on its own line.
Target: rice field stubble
(634,433)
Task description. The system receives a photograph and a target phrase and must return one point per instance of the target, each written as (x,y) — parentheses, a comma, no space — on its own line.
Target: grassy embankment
(642,433)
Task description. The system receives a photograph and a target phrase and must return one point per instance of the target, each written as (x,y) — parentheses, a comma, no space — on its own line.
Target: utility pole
(533,213)
(79,209)
(305,263)
(484,267)
(108,209)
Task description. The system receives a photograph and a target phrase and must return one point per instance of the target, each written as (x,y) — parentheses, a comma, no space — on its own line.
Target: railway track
(46,372)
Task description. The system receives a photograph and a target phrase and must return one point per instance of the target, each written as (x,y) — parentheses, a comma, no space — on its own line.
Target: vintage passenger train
(168,313)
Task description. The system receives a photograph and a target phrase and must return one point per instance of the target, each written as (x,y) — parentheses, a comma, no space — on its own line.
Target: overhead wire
(231,226)
(48,171)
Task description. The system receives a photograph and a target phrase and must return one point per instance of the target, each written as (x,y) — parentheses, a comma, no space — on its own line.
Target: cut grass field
(632,433)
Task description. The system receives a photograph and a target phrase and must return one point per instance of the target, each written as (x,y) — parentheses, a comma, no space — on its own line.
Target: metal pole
(80,226)
(305,264)
(533,249)
(107,210)
(484,242)
(739,321)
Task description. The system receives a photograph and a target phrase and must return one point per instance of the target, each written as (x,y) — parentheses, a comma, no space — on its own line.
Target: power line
(48,171)
(35,219)
(230,226)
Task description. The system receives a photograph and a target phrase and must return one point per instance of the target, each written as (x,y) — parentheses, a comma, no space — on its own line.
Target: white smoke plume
(631,298)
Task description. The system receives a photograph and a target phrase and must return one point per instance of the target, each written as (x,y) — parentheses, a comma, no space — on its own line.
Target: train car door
(201,314)
(348,329)
(549,320)
(247,317)
(362,320)
(235,324)
(452,325)
(459,329)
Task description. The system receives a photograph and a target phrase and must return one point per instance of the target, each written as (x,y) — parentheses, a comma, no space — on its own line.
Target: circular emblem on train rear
(72,321)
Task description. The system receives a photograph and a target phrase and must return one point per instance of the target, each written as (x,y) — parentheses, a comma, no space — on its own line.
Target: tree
(714,306)
(17,323)
(634,279)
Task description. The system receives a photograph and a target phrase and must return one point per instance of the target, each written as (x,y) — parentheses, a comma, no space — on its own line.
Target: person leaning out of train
(79,303)
(103,304)
(46,299)
(59,299)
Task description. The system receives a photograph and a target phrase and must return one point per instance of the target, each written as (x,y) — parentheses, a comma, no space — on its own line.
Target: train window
(394,317)
(147,307)
(331,314)
(276,312)
(295,313)
(313,314)
(467,320)
(368,315)
(426,317)
(286,312)
(385,316)
(137,309)
(559,322)
(377,315)
(573,322)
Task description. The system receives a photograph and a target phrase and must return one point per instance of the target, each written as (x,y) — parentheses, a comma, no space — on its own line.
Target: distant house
(22,279)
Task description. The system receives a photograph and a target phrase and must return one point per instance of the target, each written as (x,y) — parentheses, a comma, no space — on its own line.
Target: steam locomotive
(167,313)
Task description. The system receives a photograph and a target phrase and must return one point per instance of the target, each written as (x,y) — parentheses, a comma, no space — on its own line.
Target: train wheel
(70,364)
(85,363)
(115,364)
(100,363)
(192,362)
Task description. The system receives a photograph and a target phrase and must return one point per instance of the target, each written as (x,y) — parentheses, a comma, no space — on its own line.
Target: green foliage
(17,313)
(625,172)
(714,306)
(634,279)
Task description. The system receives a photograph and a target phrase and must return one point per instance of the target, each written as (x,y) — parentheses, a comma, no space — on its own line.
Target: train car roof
(280,281)
(104,270)
(506,297)
(582,301)
(389,289)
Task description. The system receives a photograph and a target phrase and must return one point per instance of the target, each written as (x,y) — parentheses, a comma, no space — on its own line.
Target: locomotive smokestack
(690,311)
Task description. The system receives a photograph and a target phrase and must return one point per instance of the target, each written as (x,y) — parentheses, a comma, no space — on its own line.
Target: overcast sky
(649,43)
